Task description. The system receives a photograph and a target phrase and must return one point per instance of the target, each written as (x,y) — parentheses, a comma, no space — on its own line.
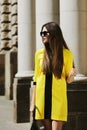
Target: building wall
(8,24)
(8,45)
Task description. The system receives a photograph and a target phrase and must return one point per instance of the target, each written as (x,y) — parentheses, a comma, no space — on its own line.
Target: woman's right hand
(31,107)
(32,110)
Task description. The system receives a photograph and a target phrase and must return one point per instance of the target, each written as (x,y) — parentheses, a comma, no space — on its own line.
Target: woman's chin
(45,42)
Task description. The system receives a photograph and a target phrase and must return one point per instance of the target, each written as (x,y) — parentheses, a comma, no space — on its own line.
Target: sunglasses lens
(40,33)
(43,33)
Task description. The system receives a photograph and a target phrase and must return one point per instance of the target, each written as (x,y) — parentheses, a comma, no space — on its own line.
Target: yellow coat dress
(58,91)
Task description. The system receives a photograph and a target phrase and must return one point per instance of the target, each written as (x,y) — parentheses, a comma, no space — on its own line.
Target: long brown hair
(53,53)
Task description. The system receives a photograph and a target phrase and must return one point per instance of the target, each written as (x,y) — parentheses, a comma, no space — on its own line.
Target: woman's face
(45,35)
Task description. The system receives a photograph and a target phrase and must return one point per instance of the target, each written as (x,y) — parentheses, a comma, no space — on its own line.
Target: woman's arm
(32,104)
(71,76)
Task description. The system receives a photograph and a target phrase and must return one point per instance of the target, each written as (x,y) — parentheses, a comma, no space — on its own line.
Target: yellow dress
(58,88)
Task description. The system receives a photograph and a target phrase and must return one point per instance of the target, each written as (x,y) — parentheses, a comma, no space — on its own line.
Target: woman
(54,68)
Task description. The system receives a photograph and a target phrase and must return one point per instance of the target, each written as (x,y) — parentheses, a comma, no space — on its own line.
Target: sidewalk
(6,116)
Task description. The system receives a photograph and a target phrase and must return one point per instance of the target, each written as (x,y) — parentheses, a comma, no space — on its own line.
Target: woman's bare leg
(48,124)
(57,125)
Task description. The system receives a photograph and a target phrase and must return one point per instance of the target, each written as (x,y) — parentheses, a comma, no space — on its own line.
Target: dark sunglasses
(44,33)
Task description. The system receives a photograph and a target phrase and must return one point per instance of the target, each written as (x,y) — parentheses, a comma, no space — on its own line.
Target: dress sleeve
(69,63)
(36,71)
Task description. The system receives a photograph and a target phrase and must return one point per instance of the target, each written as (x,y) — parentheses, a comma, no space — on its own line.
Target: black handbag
(36,124)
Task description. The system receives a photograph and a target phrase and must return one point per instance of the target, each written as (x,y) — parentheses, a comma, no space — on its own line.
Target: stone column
(25,36)
(22,81)
(73,21)
(46,11)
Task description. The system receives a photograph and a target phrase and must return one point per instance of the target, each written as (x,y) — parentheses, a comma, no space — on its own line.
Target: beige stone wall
(14,23)
(8,45)
(8,24)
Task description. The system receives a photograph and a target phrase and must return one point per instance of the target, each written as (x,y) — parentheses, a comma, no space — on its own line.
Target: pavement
(6,116)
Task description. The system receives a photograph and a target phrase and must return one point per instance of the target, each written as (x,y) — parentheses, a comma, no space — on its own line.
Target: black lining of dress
(48,96)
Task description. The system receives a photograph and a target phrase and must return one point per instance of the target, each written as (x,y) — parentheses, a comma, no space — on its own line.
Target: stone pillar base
(77,106)
(10,71)
(2,72)
(21,99)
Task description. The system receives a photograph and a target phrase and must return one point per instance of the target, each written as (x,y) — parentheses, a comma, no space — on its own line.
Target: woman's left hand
(73,72)
(71,76)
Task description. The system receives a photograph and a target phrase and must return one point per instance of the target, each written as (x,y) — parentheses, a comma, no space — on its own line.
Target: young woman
(54,68)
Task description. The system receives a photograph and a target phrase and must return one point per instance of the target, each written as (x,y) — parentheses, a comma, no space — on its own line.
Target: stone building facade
(8,45)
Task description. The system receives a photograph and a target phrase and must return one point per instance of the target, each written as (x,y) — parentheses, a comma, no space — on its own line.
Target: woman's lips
(43,39)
